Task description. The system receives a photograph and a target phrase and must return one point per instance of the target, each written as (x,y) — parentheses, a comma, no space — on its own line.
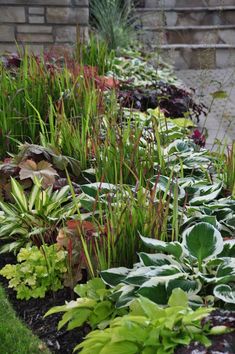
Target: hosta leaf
(155,289)
(225,293)
(188,285)
(173,248)
(226,271)
(184,123)
(202,241)
(178,298)
(205,194)
(126,294)
(229,249)
(157,259)
(93,189)
(124,347)
(139,276)
(114,276)
(167,185)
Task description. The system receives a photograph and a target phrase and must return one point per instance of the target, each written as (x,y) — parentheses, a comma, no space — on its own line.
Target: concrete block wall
(42,24)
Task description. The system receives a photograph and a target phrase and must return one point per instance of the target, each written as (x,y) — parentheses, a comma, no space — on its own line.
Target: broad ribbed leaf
(155,289)
(225,293)
(188,285)
(226,271)
(206,193)
(139,276)
(178,298)
(114,276)
(202,241)
(229,249)
(93,189)
(157,259)
(125,295)
(173,248)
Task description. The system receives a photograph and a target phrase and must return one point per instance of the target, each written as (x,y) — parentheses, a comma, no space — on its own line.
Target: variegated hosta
(184,155)
(220,213)
(34,217)
(203,265)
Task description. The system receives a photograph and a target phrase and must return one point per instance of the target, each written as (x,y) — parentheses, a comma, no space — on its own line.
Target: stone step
(198,56)
(187,3)
(190,35)
(198,16)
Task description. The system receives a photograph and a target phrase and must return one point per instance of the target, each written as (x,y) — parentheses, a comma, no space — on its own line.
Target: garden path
(220,122)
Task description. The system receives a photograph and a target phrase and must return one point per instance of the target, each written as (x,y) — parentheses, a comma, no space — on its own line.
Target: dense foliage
(96,151)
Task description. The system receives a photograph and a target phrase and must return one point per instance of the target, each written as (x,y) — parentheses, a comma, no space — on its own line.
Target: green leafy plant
(199,265)
(37,271)
(114,21)
(134,70)
(34,217)
(94,307)
(150,329)
(221,213)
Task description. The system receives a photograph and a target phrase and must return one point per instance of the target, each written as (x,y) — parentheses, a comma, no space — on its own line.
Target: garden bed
(121,222)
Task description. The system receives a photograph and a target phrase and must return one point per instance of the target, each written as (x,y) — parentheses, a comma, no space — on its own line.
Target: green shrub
(37,271)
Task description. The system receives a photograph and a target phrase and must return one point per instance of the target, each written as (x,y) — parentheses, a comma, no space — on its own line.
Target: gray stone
(34,29)
(10,48)
(171,18)
(7,33)
(65,15)
(152,19)
(37,2)
(36,19)
(66,34)
(36,10)
(203,37)
(14,14)
(81,2)
(35,48)
(229,17)
(227,36)
(225,57)
(35,38)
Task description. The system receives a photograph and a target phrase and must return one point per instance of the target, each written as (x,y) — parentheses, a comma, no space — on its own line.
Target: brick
(35,37)
(7,48)
(34,29)
(35,48)
(37,2)
(36,10)
(81,2)
(36,19)
(66,34)
(68,15)
(14,14)
(7,33)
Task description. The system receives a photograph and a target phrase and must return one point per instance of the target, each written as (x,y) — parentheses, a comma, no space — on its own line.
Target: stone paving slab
(220,122)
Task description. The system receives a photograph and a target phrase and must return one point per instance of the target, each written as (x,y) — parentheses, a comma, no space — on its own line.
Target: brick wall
(42,24)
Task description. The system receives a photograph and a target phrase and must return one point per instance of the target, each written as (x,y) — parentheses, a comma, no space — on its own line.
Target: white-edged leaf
(174,248)
(114,276)
(202,241)
(225,292)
